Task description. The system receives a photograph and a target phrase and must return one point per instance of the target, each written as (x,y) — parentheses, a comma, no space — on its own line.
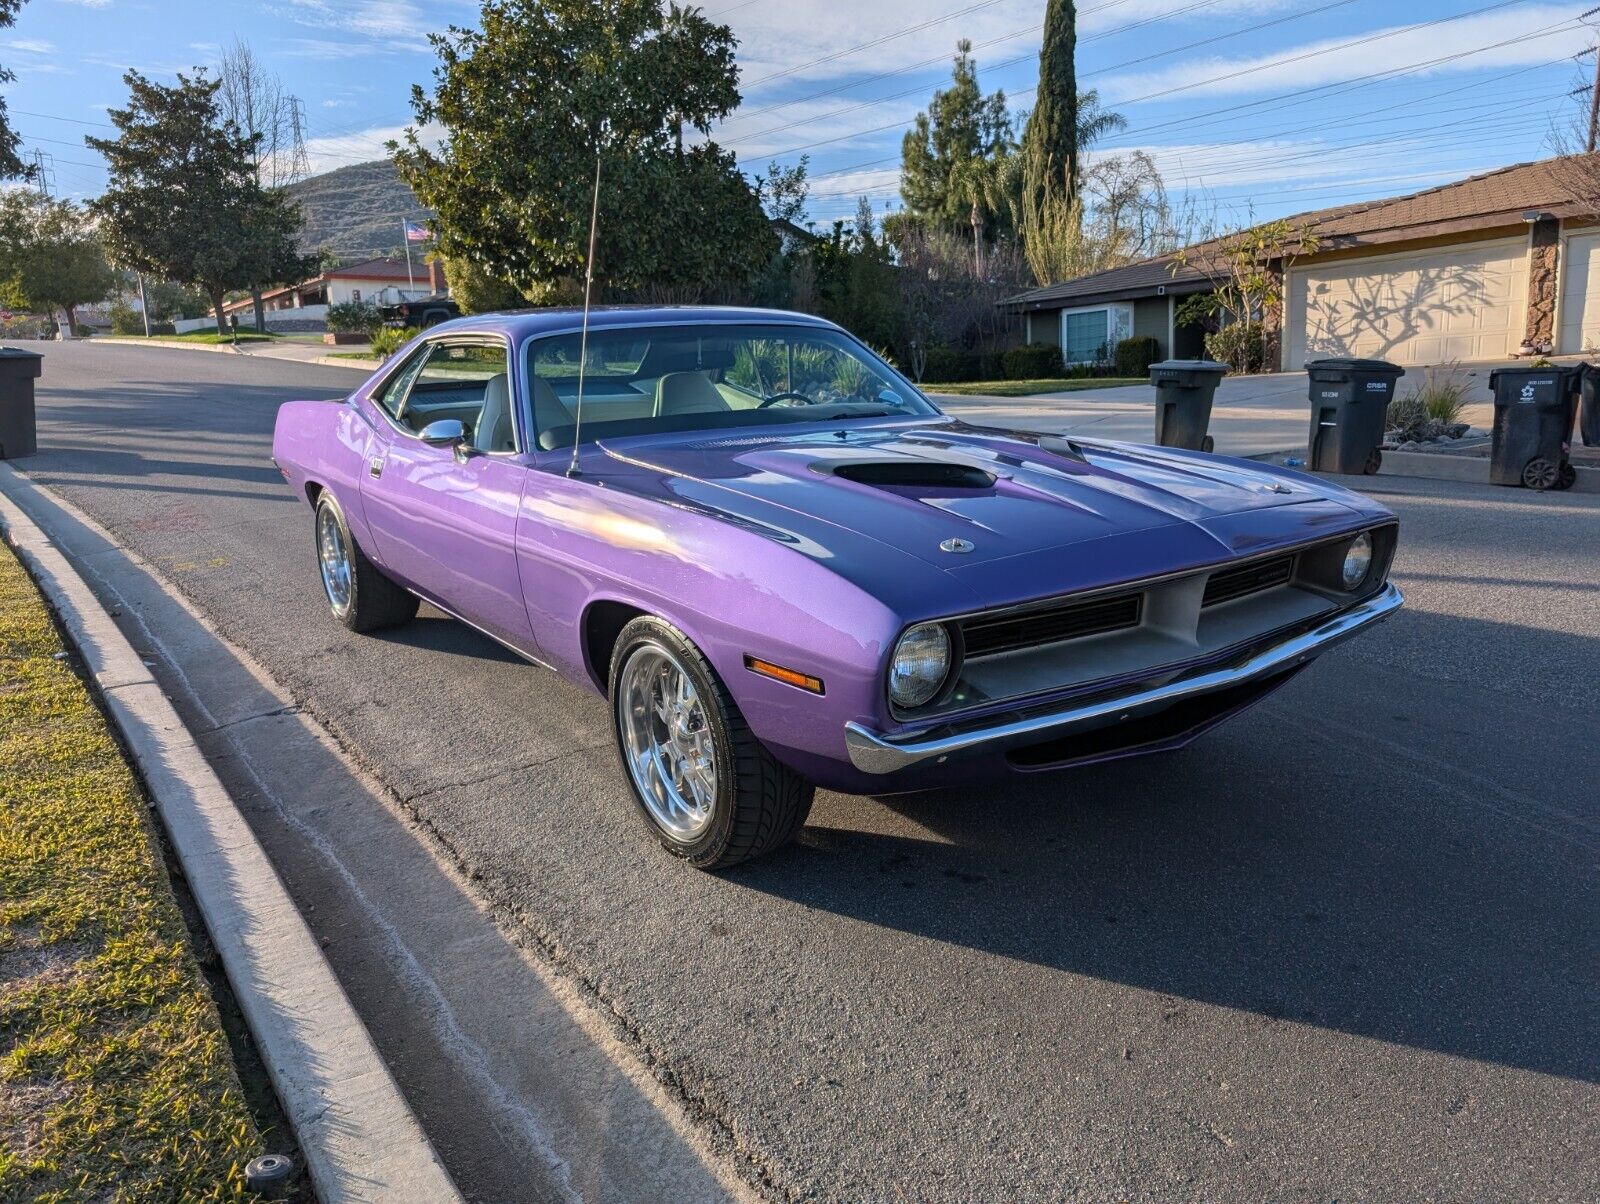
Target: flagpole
(405,237)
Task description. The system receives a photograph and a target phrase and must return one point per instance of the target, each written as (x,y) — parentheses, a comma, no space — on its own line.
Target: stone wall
(1543,284)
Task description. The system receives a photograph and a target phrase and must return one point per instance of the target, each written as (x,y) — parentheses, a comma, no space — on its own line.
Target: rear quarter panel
(325,445)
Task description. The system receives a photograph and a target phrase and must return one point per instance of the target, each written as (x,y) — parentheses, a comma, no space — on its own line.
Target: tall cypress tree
(1050,142)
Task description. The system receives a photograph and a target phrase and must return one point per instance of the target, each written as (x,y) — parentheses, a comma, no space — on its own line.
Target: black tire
(1374,462)
(375,602)
(1568,478)
(1208,444)
(1541,474)
(759,804)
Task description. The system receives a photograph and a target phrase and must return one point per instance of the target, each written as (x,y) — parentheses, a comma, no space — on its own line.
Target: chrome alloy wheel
(333,560)
(667,741)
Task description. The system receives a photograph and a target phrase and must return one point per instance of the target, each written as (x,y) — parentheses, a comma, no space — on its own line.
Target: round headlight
(920,664)
(1357,560)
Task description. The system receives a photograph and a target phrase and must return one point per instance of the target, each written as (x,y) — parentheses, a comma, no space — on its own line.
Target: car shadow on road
(1431,886)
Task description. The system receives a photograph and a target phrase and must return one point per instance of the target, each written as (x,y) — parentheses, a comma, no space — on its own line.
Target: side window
(391,395)
(465,380)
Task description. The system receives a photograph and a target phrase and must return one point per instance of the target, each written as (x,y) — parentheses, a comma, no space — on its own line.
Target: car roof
(529,323)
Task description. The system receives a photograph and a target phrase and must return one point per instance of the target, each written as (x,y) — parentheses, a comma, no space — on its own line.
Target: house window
(355,294)
(1083,336)
(1090,336)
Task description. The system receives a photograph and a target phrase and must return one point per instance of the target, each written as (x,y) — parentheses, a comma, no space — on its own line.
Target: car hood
(1001,494)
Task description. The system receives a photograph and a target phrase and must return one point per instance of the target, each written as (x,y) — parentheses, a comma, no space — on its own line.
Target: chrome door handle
(375,467)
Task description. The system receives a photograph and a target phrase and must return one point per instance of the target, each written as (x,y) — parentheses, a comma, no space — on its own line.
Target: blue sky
(1263,106)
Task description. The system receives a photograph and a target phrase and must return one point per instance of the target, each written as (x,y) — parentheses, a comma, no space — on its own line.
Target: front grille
(1228,584)
(1050,625)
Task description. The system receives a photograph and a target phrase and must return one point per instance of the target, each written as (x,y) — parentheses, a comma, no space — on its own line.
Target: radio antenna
(583,338)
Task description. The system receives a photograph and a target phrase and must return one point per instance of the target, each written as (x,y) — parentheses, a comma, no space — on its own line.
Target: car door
(444,514)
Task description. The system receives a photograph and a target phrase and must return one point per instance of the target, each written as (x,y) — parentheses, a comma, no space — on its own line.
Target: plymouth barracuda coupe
(786,568)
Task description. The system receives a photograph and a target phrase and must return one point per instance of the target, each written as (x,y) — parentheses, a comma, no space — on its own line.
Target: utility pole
(144,306)
(1594,103)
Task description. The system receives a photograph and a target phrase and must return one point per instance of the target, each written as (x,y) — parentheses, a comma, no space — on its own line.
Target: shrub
(386,340)
(124,318)
(947,365)
(1135,355)
(1035,361)
(1443,392)
(1242,346)
(354,317)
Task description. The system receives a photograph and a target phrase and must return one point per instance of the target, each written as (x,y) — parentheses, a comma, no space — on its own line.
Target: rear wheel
(359,595)
(706,786)
(1540,473)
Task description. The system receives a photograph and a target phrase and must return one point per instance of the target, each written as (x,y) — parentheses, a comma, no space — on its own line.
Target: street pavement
(1342,948)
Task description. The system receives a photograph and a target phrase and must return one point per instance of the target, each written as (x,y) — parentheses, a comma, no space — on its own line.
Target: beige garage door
(1465,302)
(1580,295)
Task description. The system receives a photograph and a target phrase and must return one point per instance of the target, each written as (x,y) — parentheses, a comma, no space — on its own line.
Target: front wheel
(707,787)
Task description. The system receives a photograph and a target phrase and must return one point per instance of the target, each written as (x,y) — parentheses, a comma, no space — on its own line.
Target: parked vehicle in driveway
(786,568)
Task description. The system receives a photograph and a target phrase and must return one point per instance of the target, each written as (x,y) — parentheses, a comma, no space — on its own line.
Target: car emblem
(956,545)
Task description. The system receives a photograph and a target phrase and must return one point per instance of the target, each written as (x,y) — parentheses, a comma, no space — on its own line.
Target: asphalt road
(1342,948)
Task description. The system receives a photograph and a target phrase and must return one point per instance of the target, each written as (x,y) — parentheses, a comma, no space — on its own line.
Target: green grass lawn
(116,1080)
(1027,388)
(211,336)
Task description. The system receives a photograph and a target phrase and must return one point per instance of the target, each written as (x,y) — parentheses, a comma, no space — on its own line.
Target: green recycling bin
(1349,411)
(1184,390)
(18,370)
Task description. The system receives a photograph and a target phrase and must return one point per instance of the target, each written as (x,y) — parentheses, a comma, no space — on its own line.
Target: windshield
(647,379)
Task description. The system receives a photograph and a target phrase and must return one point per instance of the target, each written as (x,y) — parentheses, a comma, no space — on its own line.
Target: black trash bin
(1534,410)
(1349,404)
(1589,415)
(18,370)
(1184,389)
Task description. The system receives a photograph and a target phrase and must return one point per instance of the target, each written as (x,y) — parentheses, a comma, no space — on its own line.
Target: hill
(355,212)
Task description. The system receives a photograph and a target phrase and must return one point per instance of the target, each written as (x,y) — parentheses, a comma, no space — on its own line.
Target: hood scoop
(911,474)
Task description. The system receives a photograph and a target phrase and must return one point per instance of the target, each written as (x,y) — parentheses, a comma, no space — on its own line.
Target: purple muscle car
(786,568)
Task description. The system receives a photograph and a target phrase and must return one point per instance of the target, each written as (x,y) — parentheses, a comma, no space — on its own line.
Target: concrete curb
(328,361)
(359,1136)
(1461,467)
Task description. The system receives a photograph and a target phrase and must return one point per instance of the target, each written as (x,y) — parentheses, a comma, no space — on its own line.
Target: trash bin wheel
(1569,476)
(1539,473)
(1208,444)
(1374,462)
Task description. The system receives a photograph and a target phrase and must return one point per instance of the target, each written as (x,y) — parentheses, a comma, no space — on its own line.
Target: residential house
(1489,267)
(383,281)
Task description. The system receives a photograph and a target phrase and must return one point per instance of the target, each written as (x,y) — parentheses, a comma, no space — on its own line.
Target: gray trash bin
(18,370)
(1349,407)
(1184,389)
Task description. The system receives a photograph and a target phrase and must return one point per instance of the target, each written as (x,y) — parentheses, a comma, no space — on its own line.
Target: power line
(1024,58)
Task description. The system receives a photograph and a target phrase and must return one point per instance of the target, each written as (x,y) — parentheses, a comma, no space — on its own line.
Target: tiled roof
(1561,187)
(378,269)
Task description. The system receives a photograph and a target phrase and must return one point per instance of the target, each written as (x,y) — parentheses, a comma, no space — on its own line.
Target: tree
(953,158)
(254,101)
(533,96)
(1050,141)
(50,255)
(477,292)
(783,191)
(11,164)
(1246,269)
(183,202)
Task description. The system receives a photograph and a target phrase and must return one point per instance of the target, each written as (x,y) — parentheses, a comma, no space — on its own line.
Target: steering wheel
(777,397)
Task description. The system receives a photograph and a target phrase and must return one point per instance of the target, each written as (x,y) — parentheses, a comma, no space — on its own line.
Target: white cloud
(361,146)
(87,3)
(379,24)
(1400,47)
(31,46)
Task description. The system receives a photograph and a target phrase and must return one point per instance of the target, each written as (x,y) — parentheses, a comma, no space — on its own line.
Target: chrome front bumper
(872,753)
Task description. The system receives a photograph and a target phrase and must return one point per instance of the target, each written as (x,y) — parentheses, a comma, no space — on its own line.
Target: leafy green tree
(11,164)
(1050,140)
(183,202)
(855,279)
(783,191)
(476,291)
(50,255)
(528,101)
(953,170)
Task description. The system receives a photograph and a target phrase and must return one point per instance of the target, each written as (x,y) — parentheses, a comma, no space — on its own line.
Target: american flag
(417,232)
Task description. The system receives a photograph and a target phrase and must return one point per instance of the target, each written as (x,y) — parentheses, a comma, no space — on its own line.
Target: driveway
(1341,948)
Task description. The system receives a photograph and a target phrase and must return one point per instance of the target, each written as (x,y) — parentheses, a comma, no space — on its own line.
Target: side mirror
(443,432)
